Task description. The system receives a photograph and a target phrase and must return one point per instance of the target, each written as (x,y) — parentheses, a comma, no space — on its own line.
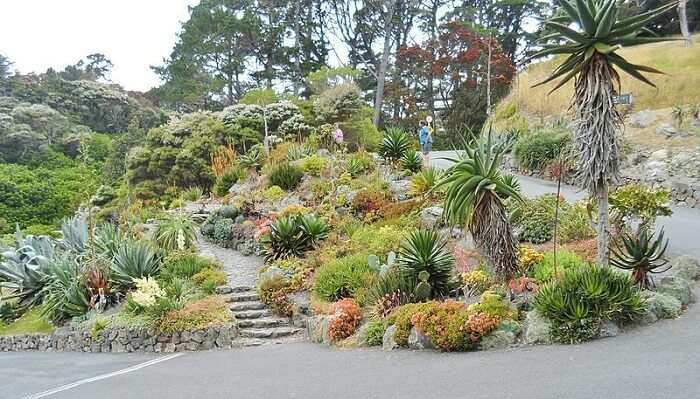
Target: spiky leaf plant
(412,161)
(425,181)
(75,234)
(175,233)
(133,260)
(285,239)
(643,254)
(475,191)
(424,251)
(23,269)
(592,60)
(394,145)
(107,240)
(313,228)
(65,295)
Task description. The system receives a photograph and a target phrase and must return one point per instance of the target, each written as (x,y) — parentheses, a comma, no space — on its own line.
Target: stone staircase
(257,325)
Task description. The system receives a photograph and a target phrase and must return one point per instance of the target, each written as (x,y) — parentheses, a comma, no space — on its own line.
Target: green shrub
(535,218)
(574,223)
(185,265)
(374,333)
(286,176)
(538,150)
(209,279)
(543,270)
(359,163)
(230,177)
(197,315)
(583,298)
(296,152)
(313,165)
(640,203)
(377,239)
(223,231)
(274,194)
(192,194)
(342,277)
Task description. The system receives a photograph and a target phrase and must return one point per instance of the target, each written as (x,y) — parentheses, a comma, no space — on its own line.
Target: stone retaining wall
(122,340)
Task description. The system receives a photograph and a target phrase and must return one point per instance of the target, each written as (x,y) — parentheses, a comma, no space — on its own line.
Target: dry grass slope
(680,85)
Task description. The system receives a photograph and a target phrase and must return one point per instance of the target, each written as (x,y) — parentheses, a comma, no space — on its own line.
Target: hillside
(679,87)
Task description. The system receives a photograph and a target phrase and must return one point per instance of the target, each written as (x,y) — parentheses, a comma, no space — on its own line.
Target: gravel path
(240,270)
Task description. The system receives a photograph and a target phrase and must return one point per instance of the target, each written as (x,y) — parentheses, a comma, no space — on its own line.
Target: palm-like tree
(475,191)
(592,59)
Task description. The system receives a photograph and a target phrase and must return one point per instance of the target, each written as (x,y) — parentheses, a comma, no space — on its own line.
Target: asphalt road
(659,361)
(680,228)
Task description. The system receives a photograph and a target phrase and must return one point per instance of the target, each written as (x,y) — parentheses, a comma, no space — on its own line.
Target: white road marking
(102,377)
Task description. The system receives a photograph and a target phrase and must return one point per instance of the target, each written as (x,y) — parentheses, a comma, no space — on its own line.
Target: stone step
(244,297)
(241,306)
(246,342)
(252,314)
(225,289)
(262,323)
(276,332)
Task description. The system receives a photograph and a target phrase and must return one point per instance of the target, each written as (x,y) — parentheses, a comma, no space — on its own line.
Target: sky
(134,34)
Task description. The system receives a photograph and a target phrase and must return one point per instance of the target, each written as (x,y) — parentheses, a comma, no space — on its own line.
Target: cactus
(376,265)
(423,289)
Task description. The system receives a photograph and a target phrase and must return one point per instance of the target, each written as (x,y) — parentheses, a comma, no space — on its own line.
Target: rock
(537,329)
(418,340)
(608,329)
(659,155)
(431,217)
(302,302)
(223,290)
(362,335)
(676,287)
(662,306)
(686,267)
(399,189)
(318,329)
(497,339)
(642,119)
(667,130)
(388,342)
(680,187)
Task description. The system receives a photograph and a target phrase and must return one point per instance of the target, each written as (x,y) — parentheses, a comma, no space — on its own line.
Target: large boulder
(537,329)
(642,119)
(686,267)
(498,339)
(659,306)
(418,340)
(676,287)
(431,217)
(608,328)
(388,342)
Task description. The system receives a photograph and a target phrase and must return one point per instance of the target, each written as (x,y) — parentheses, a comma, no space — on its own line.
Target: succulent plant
(412,161)
(376,264)
(643,255)
(423,289)
(424,250)
(394,145)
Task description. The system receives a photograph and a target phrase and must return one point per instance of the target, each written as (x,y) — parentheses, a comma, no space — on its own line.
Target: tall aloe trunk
(596,139)
(493,235)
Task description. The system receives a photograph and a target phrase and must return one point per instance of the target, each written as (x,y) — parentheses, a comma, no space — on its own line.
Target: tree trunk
(683,16)
(488,82)
(297,57)
(381,74)
(603,240)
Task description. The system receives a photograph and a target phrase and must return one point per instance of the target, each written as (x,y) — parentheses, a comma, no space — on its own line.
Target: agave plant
(254,158)
(133,260)
(75,234)
(475,191)
(193,194)
(592,59)
(285,239)
(313,228)
(643,255)
(412,161)
(354,167)
(286,176)
(64,295)
(23,270)
(390,291)
(424,251)
(394,144)
(175,233)
(108,239)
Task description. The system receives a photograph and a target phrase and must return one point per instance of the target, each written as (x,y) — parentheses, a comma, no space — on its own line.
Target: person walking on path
(426,142)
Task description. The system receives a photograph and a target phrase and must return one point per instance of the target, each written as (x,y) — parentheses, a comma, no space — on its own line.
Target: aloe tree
(590,33)
(474,198)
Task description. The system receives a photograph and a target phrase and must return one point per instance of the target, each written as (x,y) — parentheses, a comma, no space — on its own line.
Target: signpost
(623,99)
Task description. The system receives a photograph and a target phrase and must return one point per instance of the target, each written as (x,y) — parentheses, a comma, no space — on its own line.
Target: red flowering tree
(457,63)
